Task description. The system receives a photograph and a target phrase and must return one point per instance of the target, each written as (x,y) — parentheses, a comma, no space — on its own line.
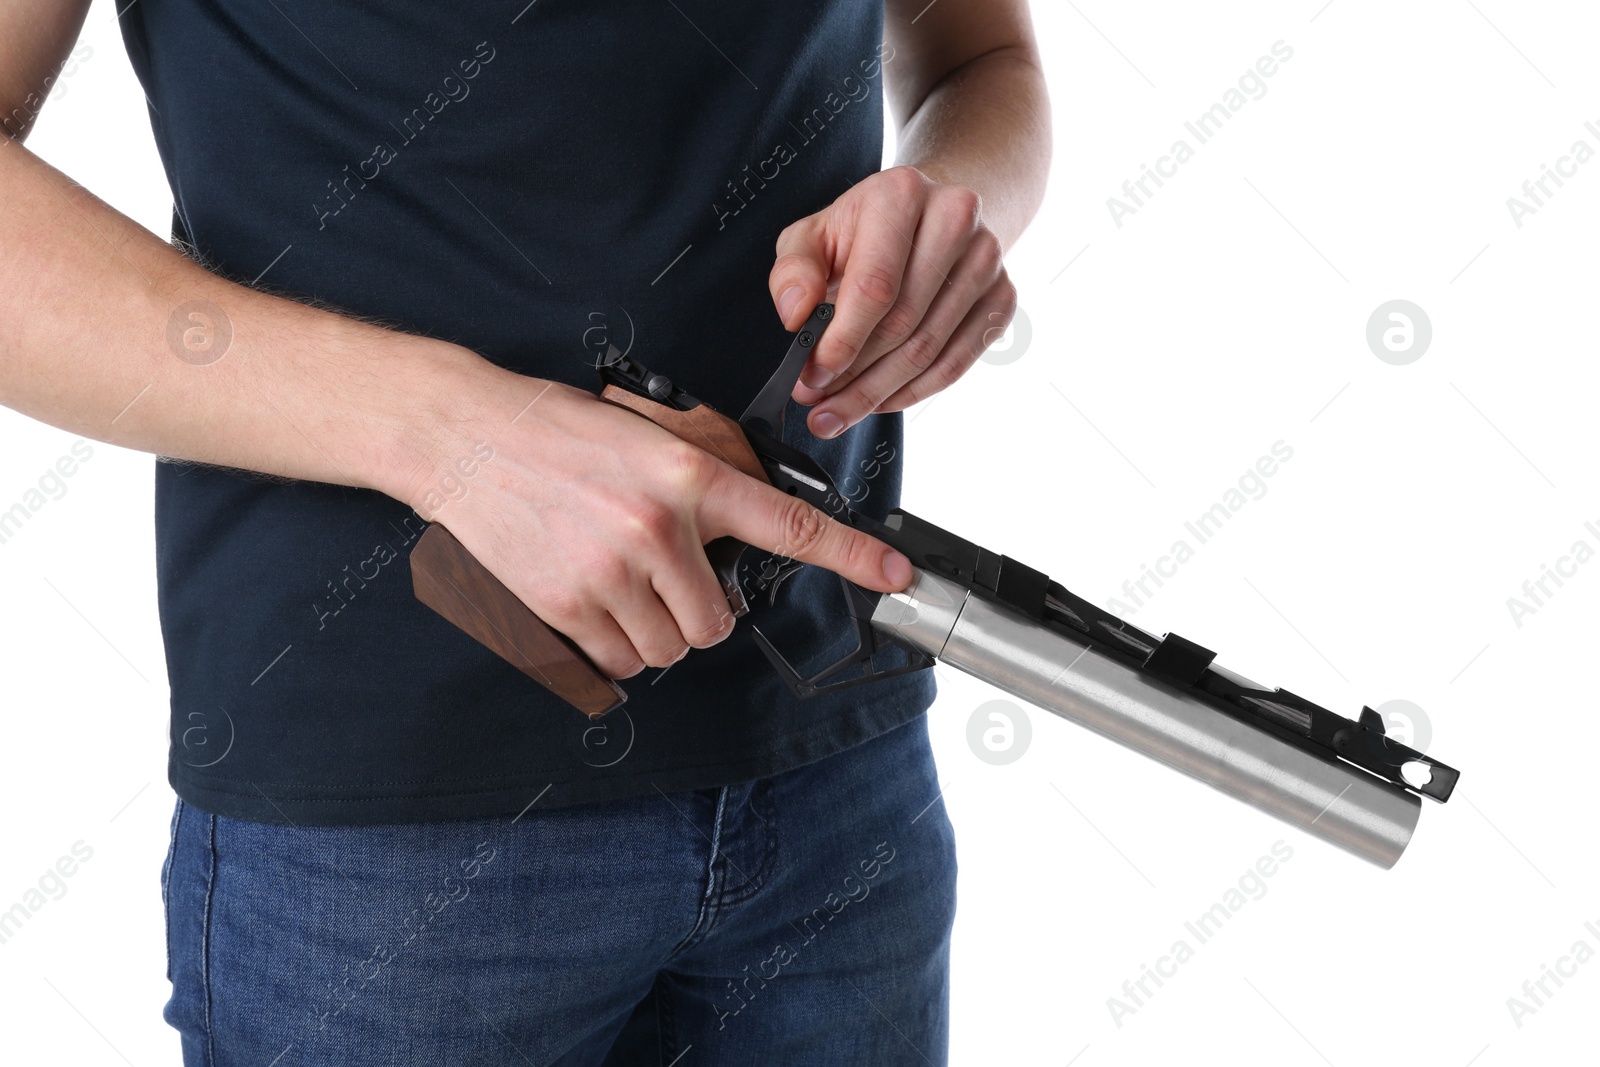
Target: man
(390,846)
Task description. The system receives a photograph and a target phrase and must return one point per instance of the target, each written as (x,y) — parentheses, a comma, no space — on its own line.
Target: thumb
(772,521)
(799,278)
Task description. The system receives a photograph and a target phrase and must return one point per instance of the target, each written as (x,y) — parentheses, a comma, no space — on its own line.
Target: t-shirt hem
(288,805)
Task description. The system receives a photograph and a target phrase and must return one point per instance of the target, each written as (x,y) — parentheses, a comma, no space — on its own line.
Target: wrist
(458,412)
(444,396)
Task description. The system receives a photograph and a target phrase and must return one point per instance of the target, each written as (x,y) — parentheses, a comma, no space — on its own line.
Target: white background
(1166,355)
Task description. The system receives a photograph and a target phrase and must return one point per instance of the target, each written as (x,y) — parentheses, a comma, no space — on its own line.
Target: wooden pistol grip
(448,579)
(705,428)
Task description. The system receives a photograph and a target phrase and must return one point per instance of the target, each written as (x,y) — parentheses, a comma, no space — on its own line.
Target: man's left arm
(914,253)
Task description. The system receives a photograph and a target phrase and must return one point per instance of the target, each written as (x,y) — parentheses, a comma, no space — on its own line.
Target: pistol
(1341,780)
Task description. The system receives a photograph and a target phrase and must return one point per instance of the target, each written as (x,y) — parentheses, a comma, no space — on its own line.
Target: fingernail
(897,568)
(791,296)
(827,425)
(817,377)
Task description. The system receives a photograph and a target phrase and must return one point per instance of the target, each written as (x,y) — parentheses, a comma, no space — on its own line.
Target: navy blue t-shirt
(538,184)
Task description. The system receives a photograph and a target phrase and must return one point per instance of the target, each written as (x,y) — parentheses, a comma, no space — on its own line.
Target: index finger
(771,520)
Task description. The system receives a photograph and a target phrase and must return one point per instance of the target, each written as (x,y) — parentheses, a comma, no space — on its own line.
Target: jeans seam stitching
(708,901)
(166,881)
(760,798)
(205,940)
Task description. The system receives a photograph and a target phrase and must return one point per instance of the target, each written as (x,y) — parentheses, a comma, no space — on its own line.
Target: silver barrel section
(1334,801)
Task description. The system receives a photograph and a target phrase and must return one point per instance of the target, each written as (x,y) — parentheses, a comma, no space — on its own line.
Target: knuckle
(610,574)
(560,605)
(837,353)
(622,665)
(838,388)
(793,234)
(898,322)
(904,397)
(789,258)
(665,654)
(947,373)
(919,350)
(591,565)
(800,527)
(649,523)
(905,181)
(1006,294)
(877,286)
(687,467)
(964,205)
(710,632)
(987,254)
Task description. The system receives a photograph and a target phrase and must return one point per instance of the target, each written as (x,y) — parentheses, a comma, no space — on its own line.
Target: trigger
(770,575)
(785,569)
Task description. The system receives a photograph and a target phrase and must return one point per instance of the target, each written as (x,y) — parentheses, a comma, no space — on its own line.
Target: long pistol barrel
(1047,667)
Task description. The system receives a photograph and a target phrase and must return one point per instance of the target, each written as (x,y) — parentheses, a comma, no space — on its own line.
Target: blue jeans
(799,919)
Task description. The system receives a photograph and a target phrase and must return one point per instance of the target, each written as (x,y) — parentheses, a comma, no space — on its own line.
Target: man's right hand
(596,518)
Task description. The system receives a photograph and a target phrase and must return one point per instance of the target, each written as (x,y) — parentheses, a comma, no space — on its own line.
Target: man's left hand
(921,293)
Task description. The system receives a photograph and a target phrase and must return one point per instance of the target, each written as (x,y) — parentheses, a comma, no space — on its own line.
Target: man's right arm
(86,296)
(611,509)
